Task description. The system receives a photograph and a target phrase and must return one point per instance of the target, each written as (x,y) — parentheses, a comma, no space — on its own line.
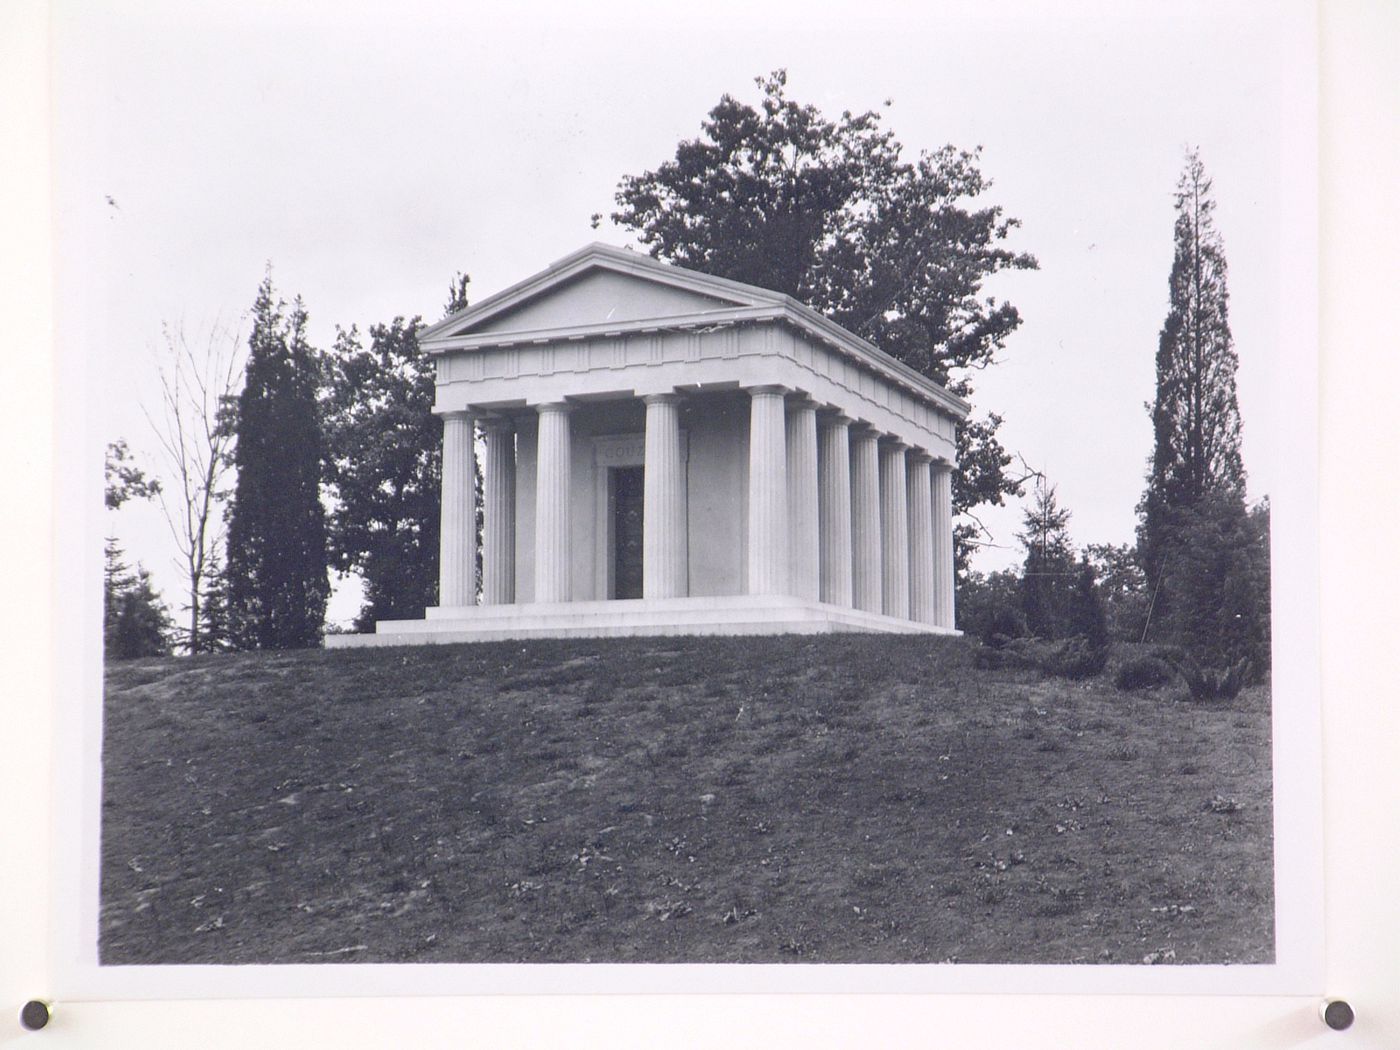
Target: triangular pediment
(600,285)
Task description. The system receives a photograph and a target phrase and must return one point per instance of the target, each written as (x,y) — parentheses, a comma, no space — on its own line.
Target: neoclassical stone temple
(668,452)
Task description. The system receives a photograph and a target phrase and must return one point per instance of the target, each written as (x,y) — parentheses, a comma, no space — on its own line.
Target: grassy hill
(844,798)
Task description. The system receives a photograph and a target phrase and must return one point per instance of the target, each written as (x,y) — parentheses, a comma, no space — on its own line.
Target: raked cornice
(743,304)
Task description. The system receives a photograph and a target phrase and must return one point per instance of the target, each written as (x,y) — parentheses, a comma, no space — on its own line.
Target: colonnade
(837,512)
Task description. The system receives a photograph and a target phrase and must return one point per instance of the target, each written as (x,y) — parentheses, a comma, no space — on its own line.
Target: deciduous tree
(834,214)
(384,469)
(194,427)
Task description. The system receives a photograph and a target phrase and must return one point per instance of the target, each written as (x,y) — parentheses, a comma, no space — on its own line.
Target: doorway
(626,487)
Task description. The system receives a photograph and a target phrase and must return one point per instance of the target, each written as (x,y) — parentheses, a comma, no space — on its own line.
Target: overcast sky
(368,156)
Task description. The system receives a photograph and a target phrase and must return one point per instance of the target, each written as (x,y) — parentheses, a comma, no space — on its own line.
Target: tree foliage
(1205,555)
(1216,581)
(834,214)
(1195,415)
(276,560)
(215,635)
(123,479)
(1123,588)
(384,468)
(989,606)
(135,622)
(1047,581)
(1086,617)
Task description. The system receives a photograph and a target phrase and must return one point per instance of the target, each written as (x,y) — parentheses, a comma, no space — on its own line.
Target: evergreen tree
(457,294)
(1047,582)
(1216,579)
(1204,555)
(1087,618)
(1195,416)
(135,622)
(276,548)
(1123,588)
(214,636)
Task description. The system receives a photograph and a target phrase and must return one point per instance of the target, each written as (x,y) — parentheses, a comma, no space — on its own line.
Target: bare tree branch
(196,445)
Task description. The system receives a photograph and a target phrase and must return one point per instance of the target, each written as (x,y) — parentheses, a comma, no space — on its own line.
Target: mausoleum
(666,452)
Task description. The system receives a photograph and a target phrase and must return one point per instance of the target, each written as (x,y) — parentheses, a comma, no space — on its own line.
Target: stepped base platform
(730,615)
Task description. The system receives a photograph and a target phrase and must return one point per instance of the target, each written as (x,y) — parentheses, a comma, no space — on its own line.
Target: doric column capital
(554,408)
(798,400)
(773,389)
(458,415)
(496,424)
(833,417)
(941,465)
(670,397)
(919,455)
(893,444)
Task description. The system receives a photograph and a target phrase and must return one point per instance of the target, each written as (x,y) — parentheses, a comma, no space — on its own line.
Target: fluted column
(894,530)
(552,518)
(804,543)
(498,554)
(457,533)
(663,517)
(943,543)
(922,603)
(866,569)
(834,503)
(768,526)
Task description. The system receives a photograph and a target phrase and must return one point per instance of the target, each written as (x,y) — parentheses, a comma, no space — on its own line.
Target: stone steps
(739,615)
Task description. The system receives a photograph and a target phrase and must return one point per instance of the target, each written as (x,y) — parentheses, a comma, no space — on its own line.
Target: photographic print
(781,488)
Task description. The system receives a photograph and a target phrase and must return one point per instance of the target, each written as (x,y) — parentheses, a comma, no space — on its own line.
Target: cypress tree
(1205,556)
(276,555)
(1195,415)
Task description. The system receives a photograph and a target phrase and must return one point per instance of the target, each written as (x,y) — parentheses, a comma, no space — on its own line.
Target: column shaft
(804,544)
(866,568)
(943,543)
(922,603)
(894,531)
(663,518)
(457,533)
(552,511)
(834,499)
(768,526)
(498,555)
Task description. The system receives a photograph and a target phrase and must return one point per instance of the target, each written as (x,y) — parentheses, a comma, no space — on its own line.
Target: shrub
(1209,684)
(1075,658)
(1012,656)
(1005,624)
(1087,617)
(1214,593)
(1142,672)
(989,606)
(1072,658)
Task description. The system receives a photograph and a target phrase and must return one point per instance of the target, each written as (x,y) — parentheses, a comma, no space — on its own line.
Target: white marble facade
(668,452)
